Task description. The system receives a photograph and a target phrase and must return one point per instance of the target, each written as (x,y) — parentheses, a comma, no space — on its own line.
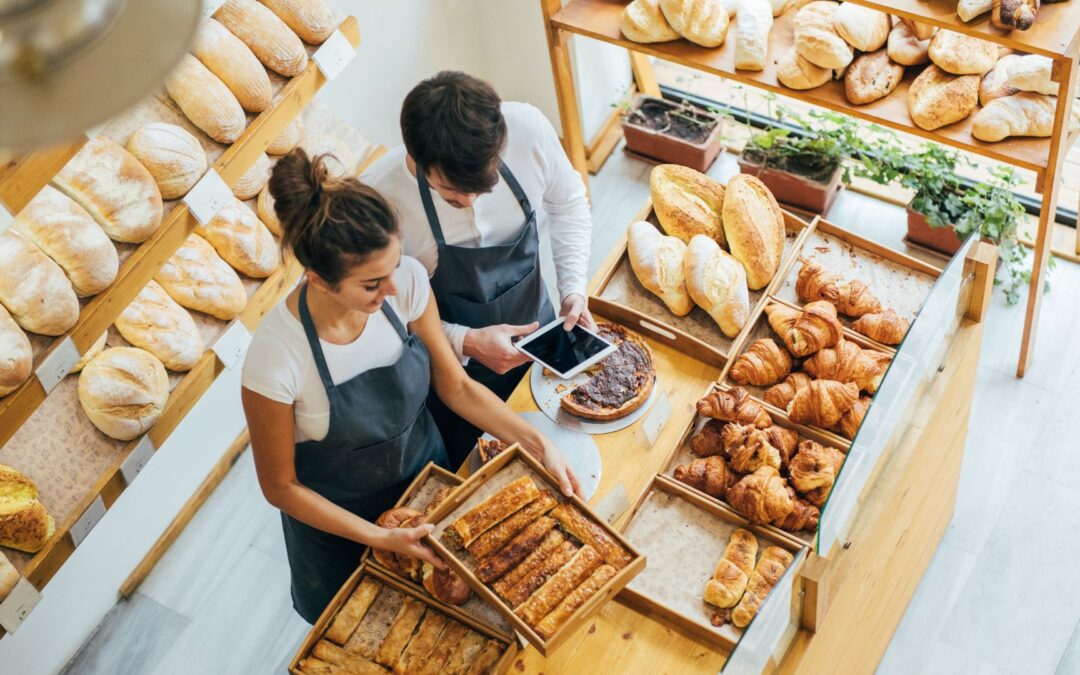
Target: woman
(336,377)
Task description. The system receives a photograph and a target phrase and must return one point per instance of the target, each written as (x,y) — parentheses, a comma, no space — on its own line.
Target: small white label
(6,219)
(57,364)
(233,343)
(87,521)
(207,197)
(138,458)
(18,604)
(334,54)
(612,506)
(211,6)
(657,418)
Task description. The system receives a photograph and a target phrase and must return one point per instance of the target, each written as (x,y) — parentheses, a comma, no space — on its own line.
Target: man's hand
(575,309)
(493,347)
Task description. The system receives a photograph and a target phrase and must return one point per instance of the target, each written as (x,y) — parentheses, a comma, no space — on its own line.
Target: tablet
(566,353)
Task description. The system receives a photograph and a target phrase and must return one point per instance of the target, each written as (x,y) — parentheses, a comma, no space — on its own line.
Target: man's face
(450,194)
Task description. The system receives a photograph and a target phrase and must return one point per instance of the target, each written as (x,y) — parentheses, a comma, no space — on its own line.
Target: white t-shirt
(280,366)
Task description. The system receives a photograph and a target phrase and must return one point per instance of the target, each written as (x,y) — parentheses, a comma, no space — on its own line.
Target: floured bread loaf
(907,49)
(315,144)
(173,157)
(717,283)
(288,139)
(795,72)
(226,56)
(703,22)
(752,34)
(265,210)
(197,278)
(242,240)
(206,101)
(816,38)
(1032,73)
(995,84)
(123,391)
(937,99)
(16,355)
(961,54)
(254,179)
(155,322)
(34,289)
(276,45)
(657,261)
(312,20)
(754,227)
(642,21)
(1025,114)
(863,28)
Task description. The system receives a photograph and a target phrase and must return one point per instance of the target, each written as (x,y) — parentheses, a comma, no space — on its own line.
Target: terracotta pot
(669,149)
(942,239)
(795,190)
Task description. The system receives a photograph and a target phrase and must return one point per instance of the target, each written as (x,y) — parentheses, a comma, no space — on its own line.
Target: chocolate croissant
(856,300)
(807,330)
(848,362)
(762,497)
(780,395)
(747,448)
(822,403)
(711,475)
(785,441)
(816,283)
(887,327)
(814,466)
(762,364)
(851,420)
(734,405)
(708,441)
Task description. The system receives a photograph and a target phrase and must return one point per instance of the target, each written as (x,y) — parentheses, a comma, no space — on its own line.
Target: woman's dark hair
(453,122)
(329,223)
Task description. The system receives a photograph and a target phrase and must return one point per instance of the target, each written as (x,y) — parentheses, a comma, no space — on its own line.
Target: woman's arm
(271,426)
(476,404)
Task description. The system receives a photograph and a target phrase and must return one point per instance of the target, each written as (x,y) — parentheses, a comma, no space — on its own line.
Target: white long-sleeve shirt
(555,191)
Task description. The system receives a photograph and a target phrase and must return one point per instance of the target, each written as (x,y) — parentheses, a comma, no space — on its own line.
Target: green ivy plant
(826,140)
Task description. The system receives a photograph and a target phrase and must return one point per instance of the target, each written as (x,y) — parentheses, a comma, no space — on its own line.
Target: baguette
(154,322)
(234,63)
(577,524)
(174,158)
(754,229)
(197,278)
(16,355)
(206,101)
(272,41)
(717,283)
(241,239)
(312,20)
(34,289)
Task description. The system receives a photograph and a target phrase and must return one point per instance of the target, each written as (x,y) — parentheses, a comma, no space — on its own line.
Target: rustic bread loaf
(657,261)
(206,101)
(937,99)
(197,278)
(795,72)
(242,240)
(288,139)
(754,228)
(961,54)
(25,525)
(995,84)
(717,283)
(642,21)
(1024,114)
(863,28)
(273,42)
(816,38)
(123,391)
(155,322)
(254,179)
(264,208)
(173,157)
(905,48)
(16,355)
(752,34)
(312,20)
(687,202)
(970,9)
(34,289)
(870,77)
(226,56)
(703,22)
(1032,73)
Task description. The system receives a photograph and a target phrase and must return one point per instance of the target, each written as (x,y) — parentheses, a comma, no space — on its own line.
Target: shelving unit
(1054,35)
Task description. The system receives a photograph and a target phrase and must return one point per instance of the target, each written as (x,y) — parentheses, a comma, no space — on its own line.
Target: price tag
(207,197)
(657,418)
(87,521)
(6,219)
(612,506)
(18,604)
(233,343)
(138,458)
(334,54)
(211,6)
(55,367)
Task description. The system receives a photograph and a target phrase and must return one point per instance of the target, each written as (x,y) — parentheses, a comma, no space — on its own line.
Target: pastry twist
(734,405)
(822,403)
(762,496)
(886,327)
(762,364)
(770,568)
(807,330)
(733,572)
(748,449)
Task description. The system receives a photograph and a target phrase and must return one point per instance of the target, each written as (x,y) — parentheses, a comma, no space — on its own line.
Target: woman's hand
(406,541)
(556,465)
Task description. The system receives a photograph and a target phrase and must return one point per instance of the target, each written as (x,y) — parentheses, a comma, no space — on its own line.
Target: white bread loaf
(971,9)
(234,63)
(795,72)
(34,289)
(123,391)
(642,21)
(197,278)
(154,322)
(1024,114)
(173,157)
(288,139)
(754,228)
(703,22)
(206,101)
(995,84)
(905,48)
(254,179)
(687,202)
(717,283)
(242,240)
(937,99)
(752,34)
(1032,73)
(312,20)
(114,188)
(65,232)
(657,261)
(276,45)
(16,355)
(816,38)
(961,54)
(9,576)
(25,525)
(264,208)
(863,28)
(870,77)
(95,349)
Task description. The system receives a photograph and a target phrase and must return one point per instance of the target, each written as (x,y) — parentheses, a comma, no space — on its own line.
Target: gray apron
(480,287)
(380,435)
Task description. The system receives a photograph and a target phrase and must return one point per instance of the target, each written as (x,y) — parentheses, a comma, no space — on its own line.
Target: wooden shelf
(23,177)
(599,19)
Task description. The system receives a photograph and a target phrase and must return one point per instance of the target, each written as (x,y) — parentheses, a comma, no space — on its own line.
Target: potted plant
(672,132)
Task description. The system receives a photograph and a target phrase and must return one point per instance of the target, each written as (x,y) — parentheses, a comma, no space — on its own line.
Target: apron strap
(429,206)
(515,187)
(313,339)
(392,317)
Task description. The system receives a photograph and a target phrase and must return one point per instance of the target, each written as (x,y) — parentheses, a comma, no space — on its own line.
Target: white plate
(546,392)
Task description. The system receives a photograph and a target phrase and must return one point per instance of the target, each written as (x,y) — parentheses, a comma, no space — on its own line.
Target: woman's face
(366,285)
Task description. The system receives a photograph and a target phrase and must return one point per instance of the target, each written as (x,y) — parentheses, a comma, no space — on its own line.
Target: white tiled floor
(1002,594)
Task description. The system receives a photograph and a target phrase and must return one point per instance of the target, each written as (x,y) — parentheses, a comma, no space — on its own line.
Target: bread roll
(154,322)
(995,84)
(312,20)
(961,54)
(288,139)
(752,34)
(234,63)
(937,99)
(703,22)
(754,227)
(1032,73)
(241,239)
(971,9)
(9,576)
(123,391)
(197,278)
(88,356)
(276,45)
(25,525)
(657,262)
(717,283)
(173,157)
(16,355)
(687,202)
(863,28)
(114,188)
(265,210)
(65,232)
(1023,114)
(34,289)
(254,179)
(921,31)
(795,72)
(206,100)
(905,48)
(642,21)
(816,39)
(870,77)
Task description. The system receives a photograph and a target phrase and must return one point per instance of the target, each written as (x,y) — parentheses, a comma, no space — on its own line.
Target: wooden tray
(506,467)
(684,534)
(388,580)
(620,296)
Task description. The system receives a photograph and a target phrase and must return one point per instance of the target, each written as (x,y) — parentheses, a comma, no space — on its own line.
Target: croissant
(856,299)
(748,449)
(815,283)
(785,441)
(814,466)
(886,327)
(733,571)
(807,330)
(851,420)
(803,516)
(762,497)
(734,405)
(847,362)
(710,475)
(707,442)
(780,395)
(762,364)
(822,403)
(774,560)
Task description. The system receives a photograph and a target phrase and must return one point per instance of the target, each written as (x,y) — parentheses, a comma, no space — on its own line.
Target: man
(471,184)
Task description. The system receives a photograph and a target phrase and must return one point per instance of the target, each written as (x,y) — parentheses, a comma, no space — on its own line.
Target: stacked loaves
(739,587)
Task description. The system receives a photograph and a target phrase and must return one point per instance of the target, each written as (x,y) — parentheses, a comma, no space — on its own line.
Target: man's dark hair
(452,122)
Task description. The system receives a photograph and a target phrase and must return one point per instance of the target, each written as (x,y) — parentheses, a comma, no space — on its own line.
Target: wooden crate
(490,476)
(386,579)
(696,559)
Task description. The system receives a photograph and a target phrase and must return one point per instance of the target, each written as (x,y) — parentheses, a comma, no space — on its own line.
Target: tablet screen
(564,350)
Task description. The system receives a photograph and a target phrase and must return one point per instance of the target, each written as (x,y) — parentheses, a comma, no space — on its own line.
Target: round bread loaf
(642,21)
(34,289)
(687,202)
(907,49)
(995,84)
(870,77)
(254,179)
(703,23)
(25,525)
(173,157)
(16,355)
(961,54)
(123,391)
